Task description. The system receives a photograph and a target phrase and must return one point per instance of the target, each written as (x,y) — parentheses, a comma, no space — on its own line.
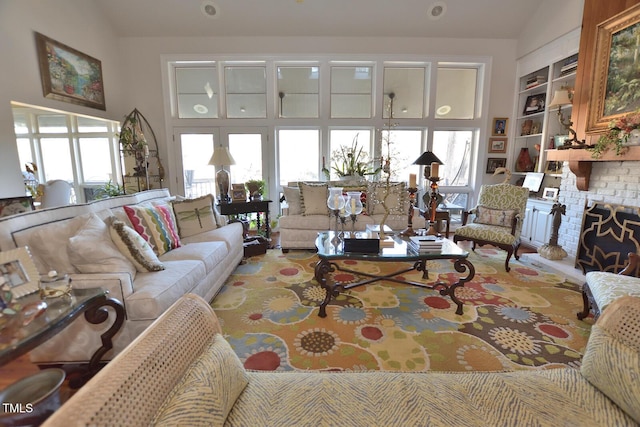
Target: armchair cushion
(607,287)
(490,233)
(208,390)
(490,216)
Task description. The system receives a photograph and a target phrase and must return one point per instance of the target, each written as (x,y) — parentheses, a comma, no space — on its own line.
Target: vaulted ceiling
(344,18)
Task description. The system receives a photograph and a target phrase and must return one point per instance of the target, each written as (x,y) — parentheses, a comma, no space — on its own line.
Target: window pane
(408,86)
(404,149)
(56,158)
(293,166)
(246,150)
(20,123)
(52,124)
(351,92)
(342,141)
(453,148)
(95,159)
(246,92)
(199,176)
(87,125)
(24,152)
(298,91)
(456,93)
(197,92)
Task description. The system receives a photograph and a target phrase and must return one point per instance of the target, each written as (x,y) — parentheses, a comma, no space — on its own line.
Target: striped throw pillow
(156,225)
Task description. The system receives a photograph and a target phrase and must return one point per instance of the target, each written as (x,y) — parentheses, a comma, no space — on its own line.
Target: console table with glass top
(60,312)
(331,249)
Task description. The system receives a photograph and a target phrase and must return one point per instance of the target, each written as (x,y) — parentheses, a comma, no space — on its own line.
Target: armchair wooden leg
(506,261)
(586,307)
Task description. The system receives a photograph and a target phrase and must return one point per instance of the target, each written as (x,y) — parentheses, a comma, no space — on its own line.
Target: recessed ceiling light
(200,109)
(444,110)
(209,9)
(437,10)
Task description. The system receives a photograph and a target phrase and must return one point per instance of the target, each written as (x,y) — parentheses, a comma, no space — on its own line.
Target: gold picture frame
(498,145)
(19,271)
(499,127)
(69,75)
(608,101)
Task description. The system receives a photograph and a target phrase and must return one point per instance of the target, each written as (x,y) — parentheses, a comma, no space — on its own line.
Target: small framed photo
(553,167)
(550,193)
(534,104)
(497,145)
(494,163)
(499,126)
(238,193)
(18,270)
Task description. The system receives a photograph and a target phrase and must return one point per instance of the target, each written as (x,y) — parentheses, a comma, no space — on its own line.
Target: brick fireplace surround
(614,182)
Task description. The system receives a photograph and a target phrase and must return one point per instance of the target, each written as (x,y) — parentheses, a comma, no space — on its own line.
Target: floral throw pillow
(489,216)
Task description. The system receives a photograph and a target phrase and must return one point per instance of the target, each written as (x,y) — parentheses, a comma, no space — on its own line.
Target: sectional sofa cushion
(48,244)
(92,250)
(214,381)
(156,225)
(313,198)
(134,247)
(194,216)
(292,197)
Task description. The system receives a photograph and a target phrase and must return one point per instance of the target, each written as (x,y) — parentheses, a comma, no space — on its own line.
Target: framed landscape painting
(69,75)
(614,90)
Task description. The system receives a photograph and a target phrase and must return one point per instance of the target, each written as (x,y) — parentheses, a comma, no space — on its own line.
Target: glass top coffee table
(331,249)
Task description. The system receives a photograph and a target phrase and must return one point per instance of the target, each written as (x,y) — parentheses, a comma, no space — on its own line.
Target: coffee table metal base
(324,267)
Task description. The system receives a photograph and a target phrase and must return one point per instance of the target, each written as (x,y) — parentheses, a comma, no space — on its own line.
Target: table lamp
(560,99)
(221,157)
(427,159)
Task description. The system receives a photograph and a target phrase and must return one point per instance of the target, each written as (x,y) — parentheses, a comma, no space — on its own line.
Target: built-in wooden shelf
(580,161)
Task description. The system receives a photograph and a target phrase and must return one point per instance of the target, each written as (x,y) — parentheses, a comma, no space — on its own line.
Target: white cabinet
(536,228)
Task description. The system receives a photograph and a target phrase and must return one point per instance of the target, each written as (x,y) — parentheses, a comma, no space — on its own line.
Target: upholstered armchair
(498,219)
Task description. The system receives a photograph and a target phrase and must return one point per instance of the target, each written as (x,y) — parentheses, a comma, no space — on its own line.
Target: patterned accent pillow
(214,381)
(293,198)
(195,216)
(156,225)
(313,198)
(489,216)
(396,201)
(134,247)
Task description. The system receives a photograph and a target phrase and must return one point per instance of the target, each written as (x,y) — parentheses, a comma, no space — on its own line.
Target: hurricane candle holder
(353,207)
(433,206)
(336,202)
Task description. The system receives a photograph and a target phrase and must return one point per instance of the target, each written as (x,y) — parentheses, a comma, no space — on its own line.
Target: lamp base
(222,181)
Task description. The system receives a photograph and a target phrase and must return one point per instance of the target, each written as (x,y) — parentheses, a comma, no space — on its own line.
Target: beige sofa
(181,371)
(77,240)
(306,212)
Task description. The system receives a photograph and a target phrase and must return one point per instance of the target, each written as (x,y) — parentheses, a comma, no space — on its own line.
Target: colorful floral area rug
(524,319)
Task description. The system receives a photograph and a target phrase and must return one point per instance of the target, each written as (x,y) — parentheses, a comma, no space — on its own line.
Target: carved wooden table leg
(322,269)
(460,265)
(97,313)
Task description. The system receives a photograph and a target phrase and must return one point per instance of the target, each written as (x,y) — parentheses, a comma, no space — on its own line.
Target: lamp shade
(427,158)
(560,98)
(221,157)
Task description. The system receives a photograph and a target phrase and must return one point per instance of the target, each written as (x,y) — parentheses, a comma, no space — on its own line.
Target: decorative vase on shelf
(524,162)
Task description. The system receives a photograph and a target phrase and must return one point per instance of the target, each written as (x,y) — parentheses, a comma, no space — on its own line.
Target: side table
(254,206)
(61,311)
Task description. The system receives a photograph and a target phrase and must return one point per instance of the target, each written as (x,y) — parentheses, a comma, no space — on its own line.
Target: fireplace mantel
(580,161)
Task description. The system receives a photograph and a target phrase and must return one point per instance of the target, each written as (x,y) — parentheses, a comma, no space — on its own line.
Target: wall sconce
(560,99)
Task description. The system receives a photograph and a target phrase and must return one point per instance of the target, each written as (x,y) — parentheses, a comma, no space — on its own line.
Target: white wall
(75,23)
(552,20)
(132,66)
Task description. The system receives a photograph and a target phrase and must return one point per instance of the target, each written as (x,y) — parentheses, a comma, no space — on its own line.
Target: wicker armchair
(498,219)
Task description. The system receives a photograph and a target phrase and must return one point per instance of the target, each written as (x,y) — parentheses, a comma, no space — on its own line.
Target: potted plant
(351,162)
(622,132)
(255,187)
(109,189)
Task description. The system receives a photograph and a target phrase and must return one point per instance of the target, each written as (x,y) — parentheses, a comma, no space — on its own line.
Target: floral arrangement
(351,161)
(617,134)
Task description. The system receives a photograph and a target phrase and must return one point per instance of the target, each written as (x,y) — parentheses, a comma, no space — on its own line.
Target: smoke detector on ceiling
(209,9)
(437,10)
